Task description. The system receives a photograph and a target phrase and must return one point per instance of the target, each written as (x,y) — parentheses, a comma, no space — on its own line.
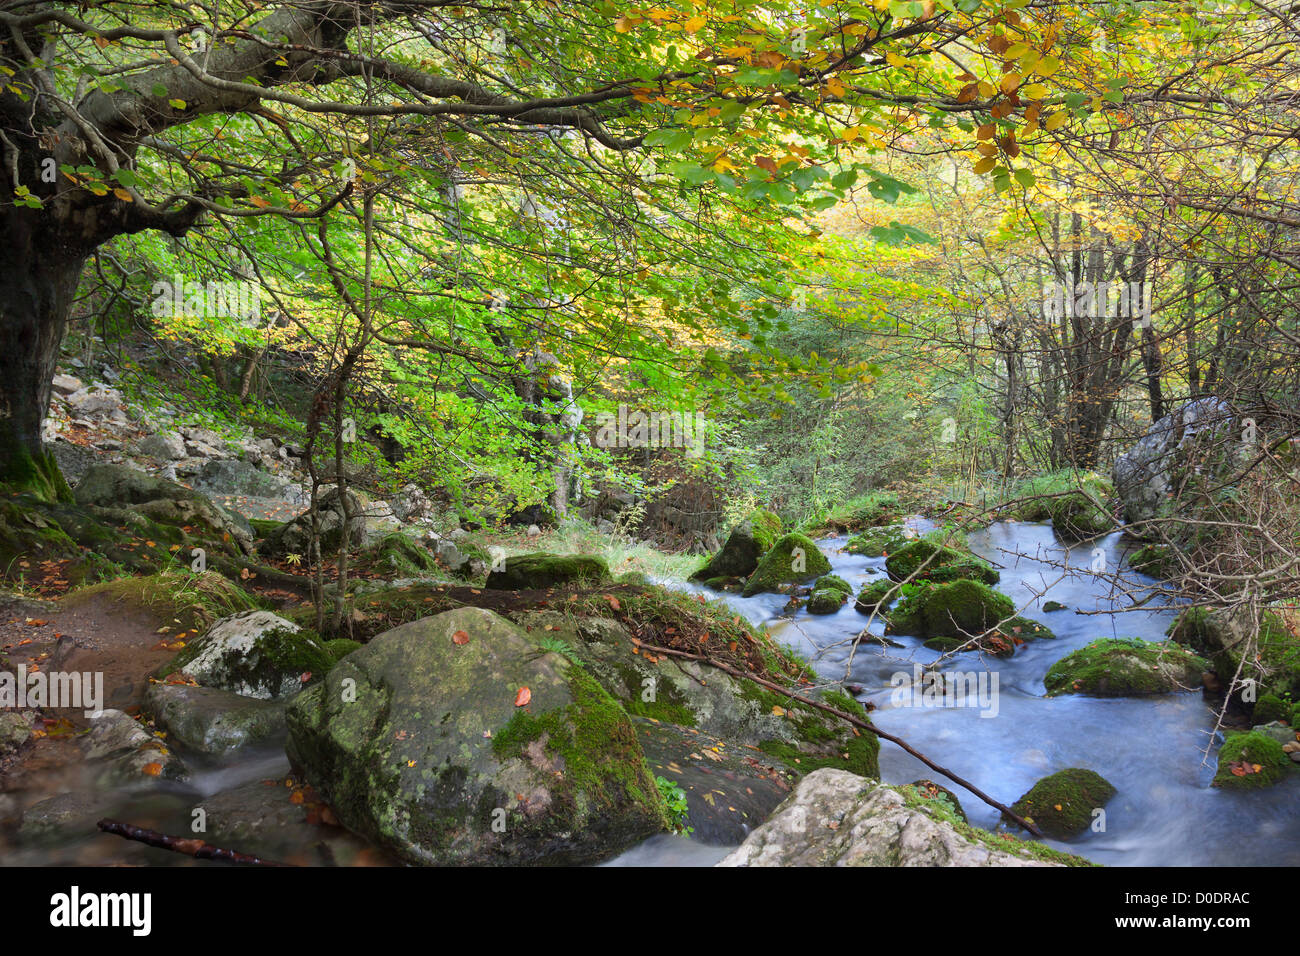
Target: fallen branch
(190,847)
(857,722)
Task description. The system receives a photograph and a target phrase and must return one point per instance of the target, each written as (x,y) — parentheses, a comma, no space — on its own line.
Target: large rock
(1145,475)
(164,445)
(425,741)
(1228,638)
(1249,761)
(926,560)
(118,487)
(1119,667)
(793,559)
(124,752)
(525,572)
(210,720)
(230,476)
(254,654)
(835,818)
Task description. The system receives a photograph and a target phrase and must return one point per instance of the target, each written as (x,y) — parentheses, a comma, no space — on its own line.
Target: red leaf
(523,697)
(460,637)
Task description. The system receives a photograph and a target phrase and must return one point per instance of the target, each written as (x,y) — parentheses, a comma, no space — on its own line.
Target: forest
(724,432)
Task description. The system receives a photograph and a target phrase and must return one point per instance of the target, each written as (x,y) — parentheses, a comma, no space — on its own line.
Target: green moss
(877,542)
(1260,756)
(794,559)
(875,596)
(1125,667)
(957,609)
(1062,804)
(264,527)
(924,560)
(185,599)
(22,471)
(826,601)
(1273,662)
(1156,560)
(833,581)
(341,647)
(866,511)
(1269,708)
(766,528)
(401,554)
(540,570)
(602,758)
(1036,497)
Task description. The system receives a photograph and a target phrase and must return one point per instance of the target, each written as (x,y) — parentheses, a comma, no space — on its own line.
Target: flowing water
(1159,752)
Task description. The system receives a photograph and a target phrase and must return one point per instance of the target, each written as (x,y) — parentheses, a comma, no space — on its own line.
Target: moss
(925,560)
(280,651)
(1036,496)
(526,572)
(367,613)
(602,758)
(875,597)
(826,601)
(1269,708)
(1051,606)
(185,599)
(957,609)
(766,529)
(1125,667)
(1258,759)
(341,647)
(1062,804)
(877,542)
(1077,517)
(833,581)
(867,511)
(794,559)
(36,474)
(1274,663)
(1156,560)
(264,527)
(400,553)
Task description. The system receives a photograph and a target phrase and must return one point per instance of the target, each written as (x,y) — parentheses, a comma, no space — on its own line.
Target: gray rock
(420,741)
(128,752)
(165,446)
(95,402)
(835,818)
(1145,474)
(254,654)
(210,720)
(230,476)
(15,729)
(294,537)
(66,384)
(411,504)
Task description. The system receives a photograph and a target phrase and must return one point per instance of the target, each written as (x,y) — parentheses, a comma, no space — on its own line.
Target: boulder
(124,752)
(1062,805)
(15,730)
(294,537)
(879,542)
(210,720)
(525,572)
(455,740)
(1125,667)
(254,654)
(835,818)
(165,446)
(1146,474)
(737,559)
(1250,761)
(826,601)
(1229,640)
(230,476)
(927,561)
(793,559)
(411,504)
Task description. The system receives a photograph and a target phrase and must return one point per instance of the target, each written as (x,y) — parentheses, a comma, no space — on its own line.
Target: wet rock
(210,720)
(1125,667)
(255,654)
(793,559)
(423,739)
(1250,761)
(1063,804)
(128,752)
(925,560)
(835,818)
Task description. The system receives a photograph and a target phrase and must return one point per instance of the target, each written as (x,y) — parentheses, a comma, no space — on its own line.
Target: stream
(1152,749)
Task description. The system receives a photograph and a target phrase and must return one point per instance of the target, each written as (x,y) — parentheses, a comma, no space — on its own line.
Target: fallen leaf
(523,697)
(460,637)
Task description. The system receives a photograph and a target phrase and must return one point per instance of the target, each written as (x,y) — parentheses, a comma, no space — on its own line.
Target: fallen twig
(190,847)
(857,722)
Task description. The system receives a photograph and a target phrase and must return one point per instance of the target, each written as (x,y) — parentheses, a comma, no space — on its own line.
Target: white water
(1152,749)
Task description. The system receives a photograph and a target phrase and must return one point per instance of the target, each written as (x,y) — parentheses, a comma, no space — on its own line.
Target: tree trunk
(37,287)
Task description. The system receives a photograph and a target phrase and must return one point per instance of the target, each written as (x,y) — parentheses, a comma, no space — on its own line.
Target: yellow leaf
(696,23)
(1034,91)
(1055,121)
(984,165)
(893,59)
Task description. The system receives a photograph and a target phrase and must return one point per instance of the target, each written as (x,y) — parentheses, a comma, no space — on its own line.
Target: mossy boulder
(956,609)
(876,597)
(341,647)
(834,582)
(401,554)
(527,572)
(748,541)
(425,742)
(794,559)
(1062,805)
(925,560)
(877,542)
(1270,707)
(1156,560)
(1125,667)
(826,601)
(1078,517)
(254,653)
(1249,761)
